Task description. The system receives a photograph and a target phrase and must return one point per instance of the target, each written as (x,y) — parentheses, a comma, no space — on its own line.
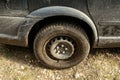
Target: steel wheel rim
(61,48)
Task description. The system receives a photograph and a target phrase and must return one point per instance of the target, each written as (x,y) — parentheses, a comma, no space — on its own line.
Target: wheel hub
(62,48)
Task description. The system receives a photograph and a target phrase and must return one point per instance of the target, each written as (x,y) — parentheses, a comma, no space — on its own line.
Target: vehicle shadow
(106,52)
(20,55)
(113,51)
(26,56)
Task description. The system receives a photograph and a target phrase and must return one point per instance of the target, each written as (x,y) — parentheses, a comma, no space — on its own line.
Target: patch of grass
(18,63)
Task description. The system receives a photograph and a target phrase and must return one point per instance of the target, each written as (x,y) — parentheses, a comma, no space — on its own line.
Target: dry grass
(18,63)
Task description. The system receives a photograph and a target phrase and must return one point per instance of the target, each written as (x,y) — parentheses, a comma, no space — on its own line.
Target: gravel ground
(17,63)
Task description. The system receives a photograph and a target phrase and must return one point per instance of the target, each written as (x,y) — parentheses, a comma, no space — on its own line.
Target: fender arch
(40,14)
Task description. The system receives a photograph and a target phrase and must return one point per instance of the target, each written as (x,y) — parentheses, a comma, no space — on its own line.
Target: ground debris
(20,64)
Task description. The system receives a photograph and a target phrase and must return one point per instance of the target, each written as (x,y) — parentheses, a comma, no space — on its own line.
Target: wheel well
(39,25)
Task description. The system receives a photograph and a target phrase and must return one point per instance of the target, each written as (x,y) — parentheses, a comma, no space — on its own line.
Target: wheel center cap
(62,49)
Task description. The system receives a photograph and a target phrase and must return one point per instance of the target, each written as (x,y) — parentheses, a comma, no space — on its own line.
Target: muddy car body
(21,21)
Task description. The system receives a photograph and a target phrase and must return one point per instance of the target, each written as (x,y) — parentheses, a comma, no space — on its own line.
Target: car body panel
(12,13)
(17,17)
(77,4)
(13,8)
(19,31)
(106,15)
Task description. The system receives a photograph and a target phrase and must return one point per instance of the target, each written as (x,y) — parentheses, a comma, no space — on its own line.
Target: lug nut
(58,47)
(62,45)
(63,52)
(58,52)
(66,49)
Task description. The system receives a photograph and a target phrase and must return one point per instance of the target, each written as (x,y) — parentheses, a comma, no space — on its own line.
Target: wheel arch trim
(46,12)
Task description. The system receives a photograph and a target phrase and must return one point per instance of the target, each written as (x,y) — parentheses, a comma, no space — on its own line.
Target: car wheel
(61,45)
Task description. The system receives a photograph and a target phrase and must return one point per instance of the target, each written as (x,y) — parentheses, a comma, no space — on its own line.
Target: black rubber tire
(82,46)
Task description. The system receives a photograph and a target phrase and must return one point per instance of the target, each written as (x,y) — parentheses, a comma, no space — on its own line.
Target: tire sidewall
(50,32)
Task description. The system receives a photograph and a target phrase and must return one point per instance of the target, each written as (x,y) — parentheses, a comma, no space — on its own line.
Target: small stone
(38,76)
(119,71)
(32,68)
(76,75)
(22,67)
(26,56)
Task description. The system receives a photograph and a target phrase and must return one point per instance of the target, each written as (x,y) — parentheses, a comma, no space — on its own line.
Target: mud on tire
(61,45)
